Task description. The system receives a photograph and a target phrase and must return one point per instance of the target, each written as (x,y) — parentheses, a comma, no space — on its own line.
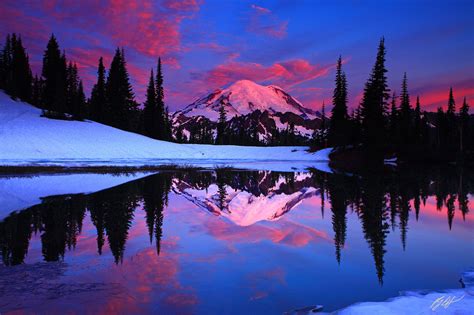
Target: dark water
(238,242)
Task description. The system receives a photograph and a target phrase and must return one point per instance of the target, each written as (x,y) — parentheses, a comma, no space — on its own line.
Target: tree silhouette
(54,75)
(120,98)
(373,106)
(98,101)
(150,109)
(338,129)
(155,198)
(221,125)
(338,200)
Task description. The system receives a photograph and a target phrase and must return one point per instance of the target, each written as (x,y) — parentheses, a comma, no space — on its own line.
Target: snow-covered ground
(26,138)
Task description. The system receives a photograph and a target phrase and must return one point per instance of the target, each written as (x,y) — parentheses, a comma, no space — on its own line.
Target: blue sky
(294,44)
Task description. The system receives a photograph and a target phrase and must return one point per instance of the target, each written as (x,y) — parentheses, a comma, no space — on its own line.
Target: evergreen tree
(220,138)
(405,112)
(373,106)
(161,117)
(120,98)
(15,73)
(75,98)
(338,129)
(150,108)
(72,85)
(405,107)
(98,101)
(451,122)
(54,74)
(451,104)
(21,73)
(81,102)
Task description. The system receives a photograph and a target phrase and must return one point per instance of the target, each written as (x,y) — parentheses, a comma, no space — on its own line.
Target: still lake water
(237,242)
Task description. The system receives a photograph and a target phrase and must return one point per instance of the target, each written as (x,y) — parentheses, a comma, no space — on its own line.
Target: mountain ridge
(248,105)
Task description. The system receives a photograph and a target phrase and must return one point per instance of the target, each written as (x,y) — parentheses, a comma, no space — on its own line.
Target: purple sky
(293,44)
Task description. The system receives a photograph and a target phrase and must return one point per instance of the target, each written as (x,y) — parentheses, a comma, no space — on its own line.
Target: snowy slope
(26,137)
(242,98)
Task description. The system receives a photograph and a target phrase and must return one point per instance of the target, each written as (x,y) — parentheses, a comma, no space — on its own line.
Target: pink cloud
(286,74)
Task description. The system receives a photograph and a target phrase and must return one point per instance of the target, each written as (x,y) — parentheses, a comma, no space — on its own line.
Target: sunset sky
(207,44)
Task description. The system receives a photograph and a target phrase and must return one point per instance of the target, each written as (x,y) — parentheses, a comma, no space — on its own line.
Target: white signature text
(445,301)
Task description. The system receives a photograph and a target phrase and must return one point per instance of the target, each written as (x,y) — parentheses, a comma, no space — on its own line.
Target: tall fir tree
(72,85)
(98,101)
(15,72)
(120,98)
(54,74)
(150,108)
(374,106)
(80,108)
(161,115)
(21,72)
(451,128)
(406,128)
(338,129)
(451,110)
(221,125)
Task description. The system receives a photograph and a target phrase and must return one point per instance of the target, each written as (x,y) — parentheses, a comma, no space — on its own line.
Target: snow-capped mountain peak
(244,97)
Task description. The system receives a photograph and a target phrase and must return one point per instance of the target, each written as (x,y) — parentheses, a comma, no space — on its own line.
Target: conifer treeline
(59,90)
(15,72)
(379,128)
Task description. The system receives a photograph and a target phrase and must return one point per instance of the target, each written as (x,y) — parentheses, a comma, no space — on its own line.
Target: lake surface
(231,242)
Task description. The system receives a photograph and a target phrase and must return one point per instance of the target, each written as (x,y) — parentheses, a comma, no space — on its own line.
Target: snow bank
(27,138)
(18,193)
